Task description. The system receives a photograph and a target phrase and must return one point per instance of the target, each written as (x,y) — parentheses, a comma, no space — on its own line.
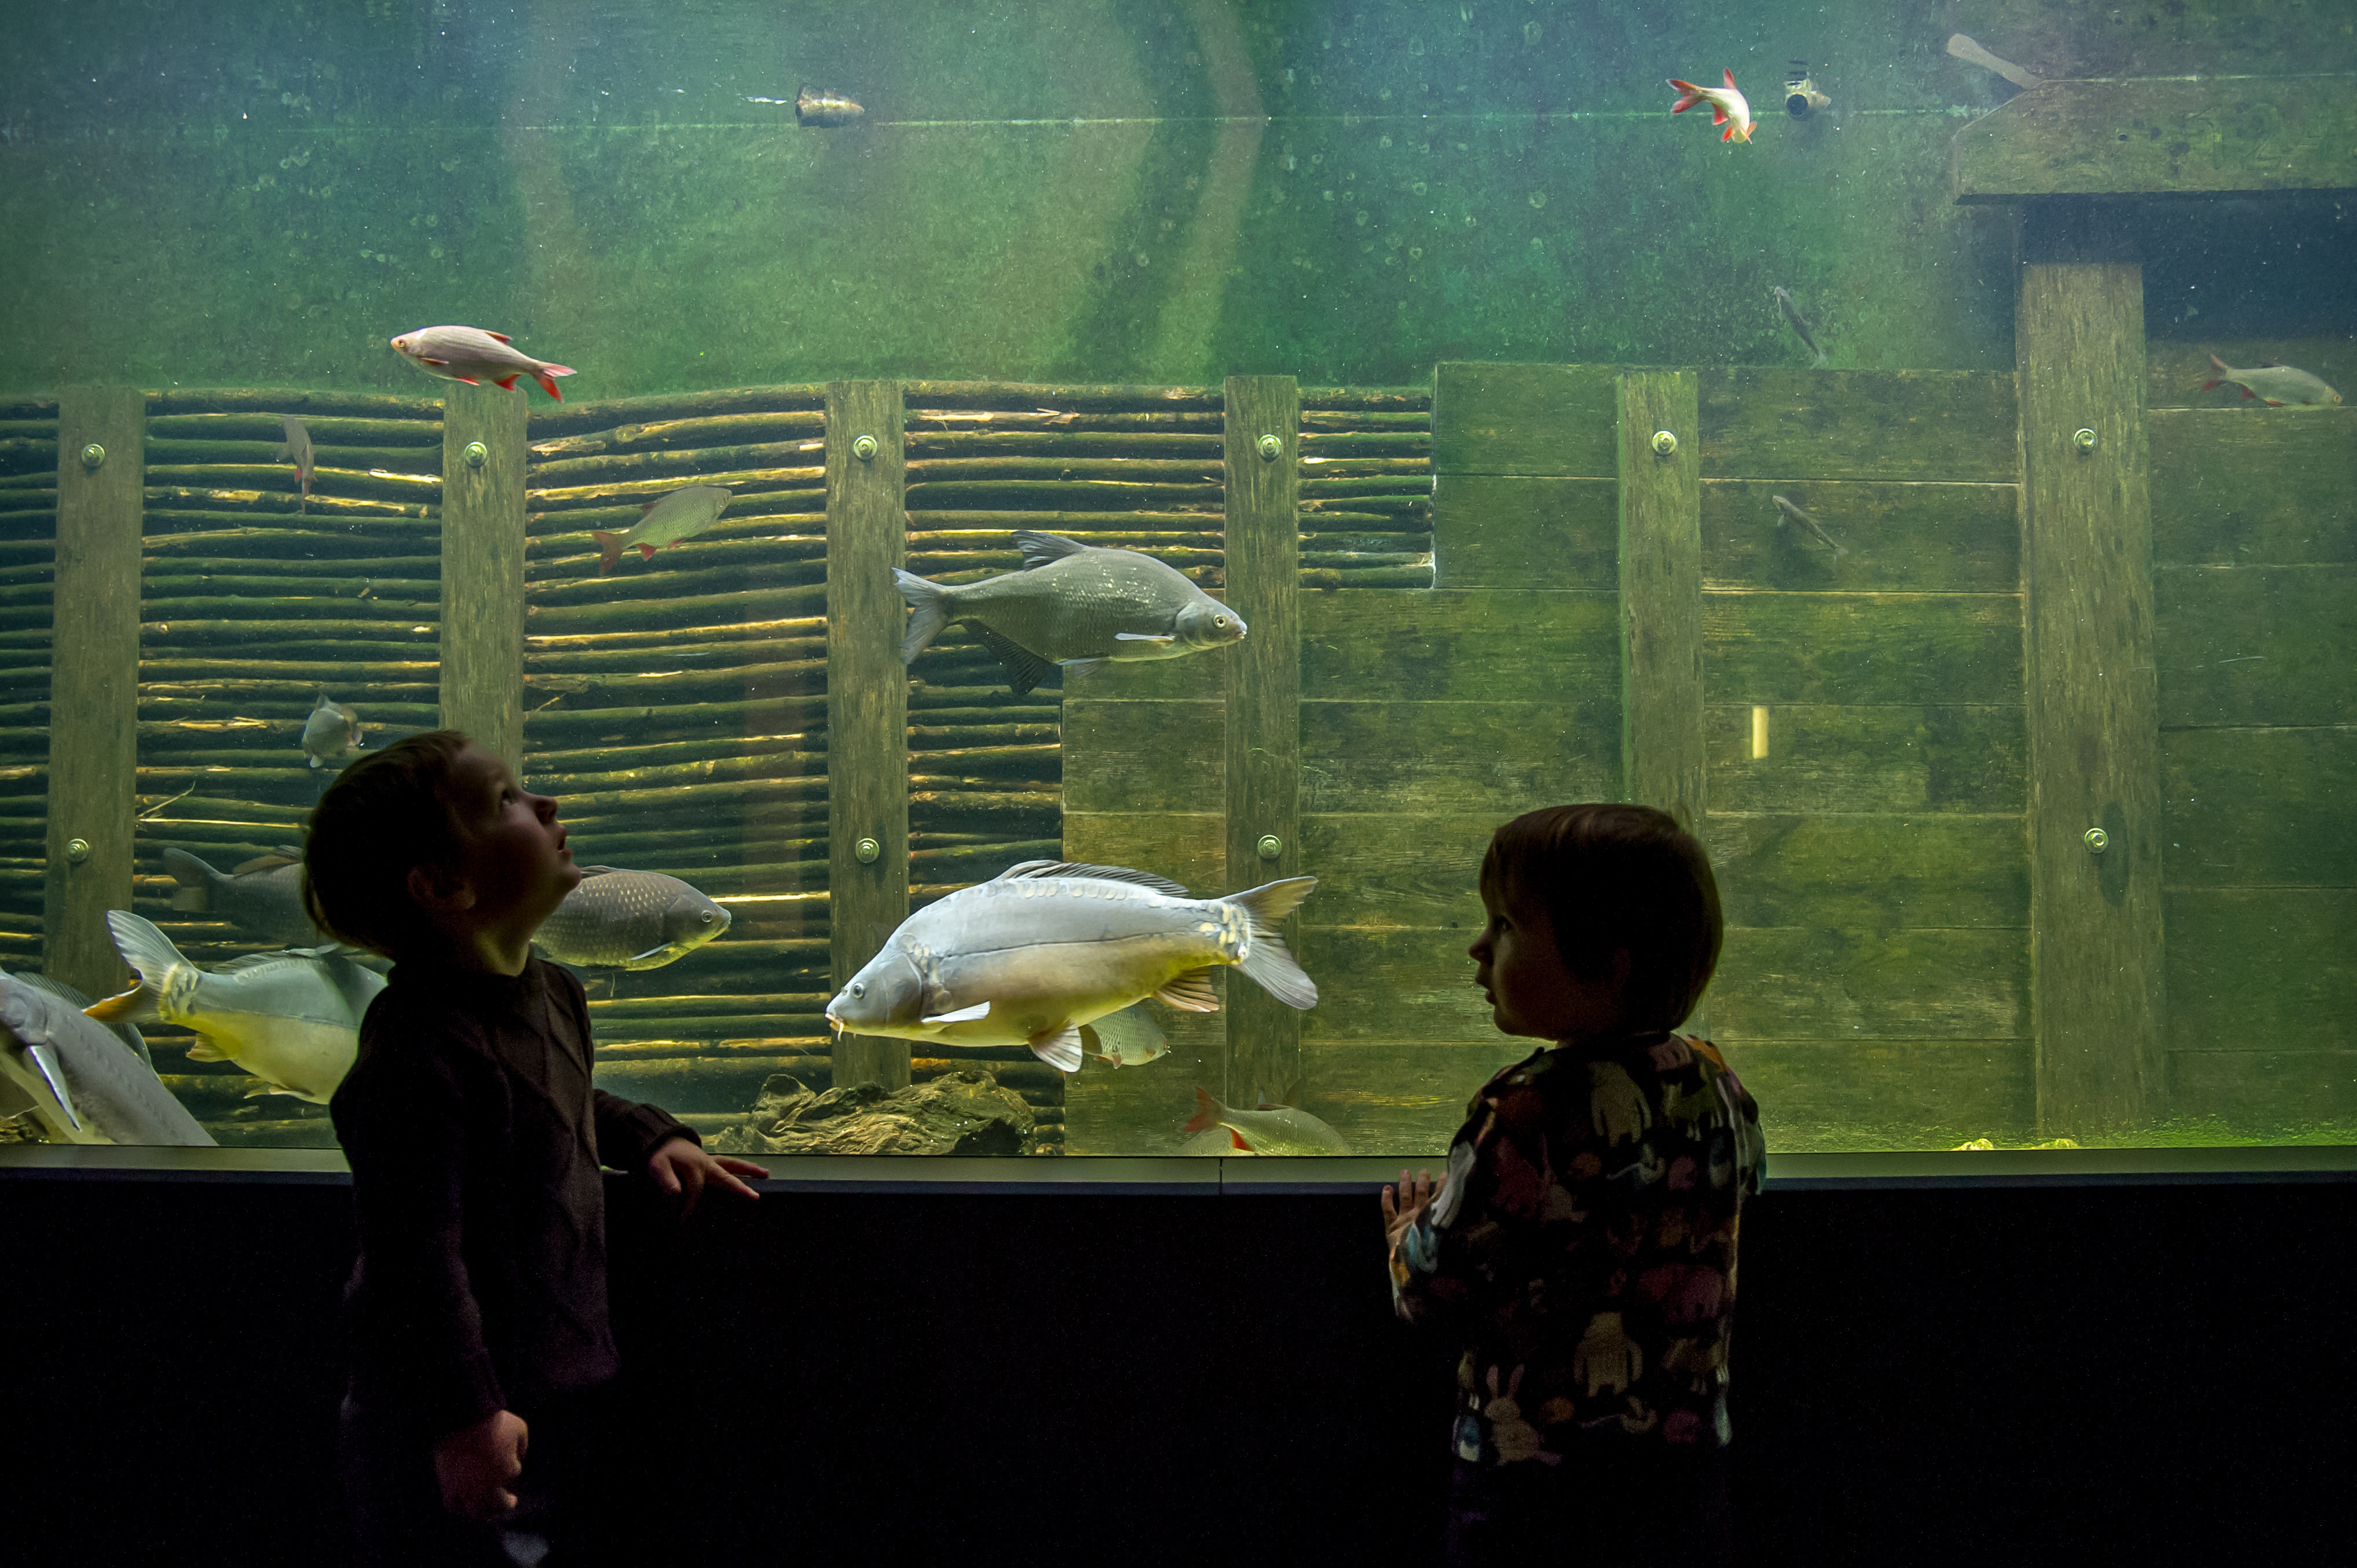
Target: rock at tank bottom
(956,1113)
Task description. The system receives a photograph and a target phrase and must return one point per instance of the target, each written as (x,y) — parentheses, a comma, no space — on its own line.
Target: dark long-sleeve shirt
(1582,1250)
(474,1136)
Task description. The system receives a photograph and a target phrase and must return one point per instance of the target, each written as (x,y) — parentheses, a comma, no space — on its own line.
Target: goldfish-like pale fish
(471,355)
(2277,386)
(825,107)
(331,731)
(297,446)
(1727,107)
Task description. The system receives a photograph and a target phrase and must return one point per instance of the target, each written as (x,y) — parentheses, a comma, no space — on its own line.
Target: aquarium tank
(1213,460)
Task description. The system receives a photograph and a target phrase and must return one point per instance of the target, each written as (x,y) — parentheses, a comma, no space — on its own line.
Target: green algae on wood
(2162,139)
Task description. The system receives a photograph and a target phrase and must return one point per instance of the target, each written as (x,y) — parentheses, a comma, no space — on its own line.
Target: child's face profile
(1531,991)
(516,863)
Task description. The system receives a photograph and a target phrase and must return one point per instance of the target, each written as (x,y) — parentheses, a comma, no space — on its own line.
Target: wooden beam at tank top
(1471,645)
(2094,709)
(1823,982)
(482,568)
(1523,419)
(1402,1098)
(2258,808)
(2234,136)
(1855,1093)
(1513,530)
(1901,537)
(1871,871)
(2211,38)
(2257,645)
(1142,757)
(1952,426)
(2259,968)
(1389,868)
(94,684)
(868,701)
(1457,757)
(2254,486)
(1863,647)
(1661,603)
(1263,542)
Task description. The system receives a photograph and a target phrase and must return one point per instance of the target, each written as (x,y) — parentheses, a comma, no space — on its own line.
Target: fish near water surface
(331,731)
(471,355)
(1791,314)
(2278,386)
(1727,107)
(1811,523)
(628,919)
(1076,605)
(1271,1130)
(1046,946)
(825,107)
(667,519)
(292,1019)
(298,445)
(83,1082)
(262,897)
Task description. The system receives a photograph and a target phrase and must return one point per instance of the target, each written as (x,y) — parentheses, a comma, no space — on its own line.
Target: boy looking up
(475,1319)
(1581,1246)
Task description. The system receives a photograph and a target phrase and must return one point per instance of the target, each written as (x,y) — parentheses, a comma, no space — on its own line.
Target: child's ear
(440,889)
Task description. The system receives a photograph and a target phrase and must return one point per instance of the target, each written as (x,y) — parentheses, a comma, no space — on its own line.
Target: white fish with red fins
(682,514)
(1727,107)
(471,355)
(2277,386)
(297,446)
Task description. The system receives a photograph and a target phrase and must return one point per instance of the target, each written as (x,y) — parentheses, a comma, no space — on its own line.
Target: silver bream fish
(297,446)
(262,897)
(1046,946)
(292,1019)
(1076,605)
(83,1082)
(331,731)
(628,919)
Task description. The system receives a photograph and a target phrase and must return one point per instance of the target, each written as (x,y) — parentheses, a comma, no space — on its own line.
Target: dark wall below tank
(2154,1373)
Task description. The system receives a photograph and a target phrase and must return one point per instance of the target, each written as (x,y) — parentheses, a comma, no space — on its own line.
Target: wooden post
(1661,597)
(482,568)
(1264,770)
(866,701)
(2093,710)
(94,684)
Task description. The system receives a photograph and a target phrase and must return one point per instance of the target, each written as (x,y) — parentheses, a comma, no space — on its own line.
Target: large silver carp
(85,1084)
(1046,946)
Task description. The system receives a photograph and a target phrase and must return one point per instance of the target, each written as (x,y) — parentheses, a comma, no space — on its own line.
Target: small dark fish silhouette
(824,108)
(1800,324)
(1805,521)
(297,446)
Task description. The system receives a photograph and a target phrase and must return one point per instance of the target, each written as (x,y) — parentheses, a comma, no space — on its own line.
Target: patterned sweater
(1583,1247)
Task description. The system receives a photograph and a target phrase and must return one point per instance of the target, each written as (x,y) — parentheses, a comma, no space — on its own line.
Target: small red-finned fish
(298,445)
(2276,385)
(682,514)
(471,355)
(1727,107)
(824,108)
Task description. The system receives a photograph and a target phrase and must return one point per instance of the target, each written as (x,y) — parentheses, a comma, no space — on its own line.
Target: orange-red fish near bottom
(1727,107)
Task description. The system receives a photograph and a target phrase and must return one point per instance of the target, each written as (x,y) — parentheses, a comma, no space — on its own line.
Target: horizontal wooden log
(1917,538)
(2174,137)
(1329,578)
(1522,531)
(688,609)
(301,402)
(564,419)
(1195,447)
(1524,419)
(223,461)
(685,434)
(1459,757)
(1108,494)
(1855,1095)
(2236,490)
(1810,983)
(2259,968)
(1827,757)
(1870,873)
(1481,645)
(1137,756)
(544,645)
(1399,1099)
(170,503)
(558,721)
(684,465)
(1380,400)
(2258,808)
(1034,395)
(745,482)
(1139,529)
(2211,38)
(716,655)
(677,576)
(2257,645)
(1386,869)
(1906,648)
(1952,426)
(344,429)
(220,478)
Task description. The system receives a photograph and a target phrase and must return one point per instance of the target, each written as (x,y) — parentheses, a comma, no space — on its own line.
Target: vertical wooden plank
(2093,712)
(482,568)
(1263,771)
(866,701)
(1662,754)
(93,683)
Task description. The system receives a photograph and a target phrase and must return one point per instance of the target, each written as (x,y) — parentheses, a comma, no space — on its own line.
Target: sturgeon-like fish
(292,1019)
(1046,946)
(83,1082)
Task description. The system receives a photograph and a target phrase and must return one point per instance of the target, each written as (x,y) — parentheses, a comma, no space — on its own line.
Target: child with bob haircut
(1581,1245)
(476,1318)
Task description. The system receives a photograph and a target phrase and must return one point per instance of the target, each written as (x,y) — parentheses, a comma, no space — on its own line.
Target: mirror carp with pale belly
(292,1019)
(1045,946)
(1079,606)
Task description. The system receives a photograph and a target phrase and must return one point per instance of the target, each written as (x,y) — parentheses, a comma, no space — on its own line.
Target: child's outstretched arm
(681,1168)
